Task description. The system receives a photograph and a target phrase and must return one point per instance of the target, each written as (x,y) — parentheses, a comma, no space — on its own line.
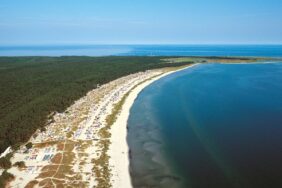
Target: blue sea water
(211,126)
(143,50)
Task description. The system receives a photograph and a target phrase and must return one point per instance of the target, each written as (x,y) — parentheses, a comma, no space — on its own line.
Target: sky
(26,22)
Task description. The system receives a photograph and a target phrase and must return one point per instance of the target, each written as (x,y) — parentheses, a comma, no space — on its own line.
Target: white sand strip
(119,150)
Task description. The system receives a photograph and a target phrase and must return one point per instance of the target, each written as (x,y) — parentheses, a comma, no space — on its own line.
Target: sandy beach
(86,145)
(119,150)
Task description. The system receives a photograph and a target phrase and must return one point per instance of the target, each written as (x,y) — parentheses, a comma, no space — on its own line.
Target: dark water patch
(213,125)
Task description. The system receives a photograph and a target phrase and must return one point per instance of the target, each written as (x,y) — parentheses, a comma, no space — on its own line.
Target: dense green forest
(33,87)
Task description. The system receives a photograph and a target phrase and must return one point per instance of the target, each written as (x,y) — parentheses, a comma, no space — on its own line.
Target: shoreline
(119,149)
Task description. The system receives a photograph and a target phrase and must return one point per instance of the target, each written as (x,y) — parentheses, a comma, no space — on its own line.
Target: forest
(34,87)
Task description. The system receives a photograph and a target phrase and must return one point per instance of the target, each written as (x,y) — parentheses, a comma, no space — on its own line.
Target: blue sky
(140,21)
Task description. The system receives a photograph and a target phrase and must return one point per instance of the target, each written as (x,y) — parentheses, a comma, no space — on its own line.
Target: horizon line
(132,44)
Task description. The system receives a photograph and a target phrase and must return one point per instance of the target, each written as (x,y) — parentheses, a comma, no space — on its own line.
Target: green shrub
(5,178)
(28,145)
(20,164)
(5,162)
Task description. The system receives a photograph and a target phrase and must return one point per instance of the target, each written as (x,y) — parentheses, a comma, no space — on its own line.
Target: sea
(142,50)
(209,126)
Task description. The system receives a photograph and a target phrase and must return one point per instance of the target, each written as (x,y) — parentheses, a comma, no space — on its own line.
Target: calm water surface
(213,125)
(143,50)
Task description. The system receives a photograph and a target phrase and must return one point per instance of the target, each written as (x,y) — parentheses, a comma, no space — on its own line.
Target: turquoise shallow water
(214,125)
